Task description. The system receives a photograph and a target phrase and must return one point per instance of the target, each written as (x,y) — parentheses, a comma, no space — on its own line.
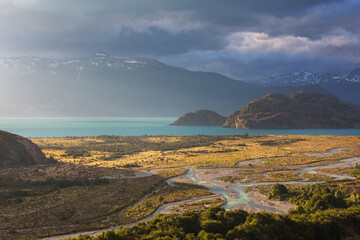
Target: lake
(91,126)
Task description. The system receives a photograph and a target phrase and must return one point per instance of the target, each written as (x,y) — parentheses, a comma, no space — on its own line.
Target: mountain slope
(200,118)
(298,111)
(101,85)
(16,150)
(347,88)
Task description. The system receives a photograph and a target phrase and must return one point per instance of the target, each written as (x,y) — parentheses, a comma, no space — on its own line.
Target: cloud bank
(243,39)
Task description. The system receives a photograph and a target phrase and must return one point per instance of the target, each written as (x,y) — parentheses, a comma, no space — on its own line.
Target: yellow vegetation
(315,177)
(223,153)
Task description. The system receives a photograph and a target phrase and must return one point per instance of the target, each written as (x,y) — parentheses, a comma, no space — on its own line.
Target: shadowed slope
(200,118)
(16,150)
(299,110)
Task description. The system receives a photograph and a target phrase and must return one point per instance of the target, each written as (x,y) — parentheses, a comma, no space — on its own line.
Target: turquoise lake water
(60,127)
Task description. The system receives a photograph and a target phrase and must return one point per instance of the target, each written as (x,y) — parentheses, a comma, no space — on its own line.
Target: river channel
(235,194)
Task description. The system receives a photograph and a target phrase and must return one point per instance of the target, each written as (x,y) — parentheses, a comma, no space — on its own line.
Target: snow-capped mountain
(304,77)
(354,76)
(103,85)
(28,65)
(299,78)
(347,87)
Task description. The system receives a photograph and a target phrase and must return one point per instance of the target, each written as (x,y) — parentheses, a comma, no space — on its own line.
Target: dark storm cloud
(233,37)
(161,42)
(259,65)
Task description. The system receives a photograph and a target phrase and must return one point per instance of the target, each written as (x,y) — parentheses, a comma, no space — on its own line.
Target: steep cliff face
(299,110)
(200,118)
(16,150)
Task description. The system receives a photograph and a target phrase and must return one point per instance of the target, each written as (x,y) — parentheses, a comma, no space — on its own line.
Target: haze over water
(61,127)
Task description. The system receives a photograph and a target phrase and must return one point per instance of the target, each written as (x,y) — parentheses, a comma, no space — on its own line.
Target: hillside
(16,150)
(345,87)
(298,111)
(103,85)
(200,118)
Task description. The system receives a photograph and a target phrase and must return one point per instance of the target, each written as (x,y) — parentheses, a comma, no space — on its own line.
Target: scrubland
(111,180)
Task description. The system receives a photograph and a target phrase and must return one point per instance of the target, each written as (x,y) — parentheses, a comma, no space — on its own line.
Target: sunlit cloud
(267,31)
(257,41)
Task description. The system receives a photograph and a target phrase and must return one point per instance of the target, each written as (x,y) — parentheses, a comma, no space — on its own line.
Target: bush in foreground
(216,223)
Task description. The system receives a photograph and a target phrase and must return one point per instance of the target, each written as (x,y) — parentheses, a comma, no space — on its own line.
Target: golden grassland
(315,177)
(276,177)
(72,198)
(150,204)
(280,177)
(199,205)
(163,139)
(225,152)
(172,172)
(299,160)
(260,170)
(338,170)
(279,153)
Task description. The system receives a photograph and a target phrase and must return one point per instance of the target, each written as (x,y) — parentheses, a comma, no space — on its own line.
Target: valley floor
(107,181)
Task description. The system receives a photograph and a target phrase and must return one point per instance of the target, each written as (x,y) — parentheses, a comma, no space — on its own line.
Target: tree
(278,192)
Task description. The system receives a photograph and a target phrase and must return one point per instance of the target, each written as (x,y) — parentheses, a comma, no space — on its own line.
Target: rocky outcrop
(17,150)
(298,111)
(200,118)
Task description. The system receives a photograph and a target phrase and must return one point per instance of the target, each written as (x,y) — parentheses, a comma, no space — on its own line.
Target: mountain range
(103,85)
(301,110)
(346,87)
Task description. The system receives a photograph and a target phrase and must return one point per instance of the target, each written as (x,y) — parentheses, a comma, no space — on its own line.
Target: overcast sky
(243,39)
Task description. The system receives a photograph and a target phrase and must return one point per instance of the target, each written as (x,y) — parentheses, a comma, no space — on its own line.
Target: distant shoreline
(90,126)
